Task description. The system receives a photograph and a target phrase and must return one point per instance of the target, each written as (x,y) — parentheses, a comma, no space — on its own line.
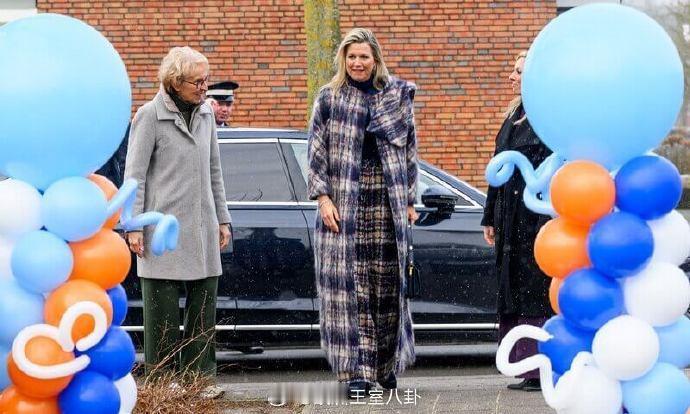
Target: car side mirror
(440,198)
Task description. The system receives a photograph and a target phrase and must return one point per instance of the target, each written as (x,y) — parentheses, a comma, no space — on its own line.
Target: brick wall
(458,52)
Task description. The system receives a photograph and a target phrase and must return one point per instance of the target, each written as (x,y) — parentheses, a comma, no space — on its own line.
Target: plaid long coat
(336,136)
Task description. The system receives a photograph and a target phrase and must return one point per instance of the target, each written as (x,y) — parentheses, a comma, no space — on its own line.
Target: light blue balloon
(4,375)
(674,341)
(84,94)
(19,308)
(602,82)
(665,389)
(74,208)
(41,261)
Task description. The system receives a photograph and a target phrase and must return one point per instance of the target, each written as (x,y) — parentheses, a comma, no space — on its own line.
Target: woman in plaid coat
(363,172)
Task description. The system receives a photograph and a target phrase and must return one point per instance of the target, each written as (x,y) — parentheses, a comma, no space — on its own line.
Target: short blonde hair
(359,35)
(178,64)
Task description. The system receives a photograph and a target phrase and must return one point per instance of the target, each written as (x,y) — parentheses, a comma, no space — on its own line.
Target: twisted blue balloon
(502,166)
(167,227)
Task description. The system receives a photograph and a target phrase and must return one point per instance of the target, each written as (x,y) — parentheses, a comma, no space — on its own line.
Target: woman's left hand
(412,215)
(225,235)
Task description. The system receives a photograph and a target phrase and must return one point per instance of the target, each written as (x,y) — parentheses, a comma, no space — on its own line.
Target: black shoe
(532,385)
(518,385)
(358,389)
(389,382)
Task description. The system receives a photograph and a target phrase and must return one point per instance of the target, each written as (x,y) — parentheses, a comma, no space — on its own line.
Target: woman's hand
(490,235)
(225,235)
(329,213)
(135,239)
(412,215)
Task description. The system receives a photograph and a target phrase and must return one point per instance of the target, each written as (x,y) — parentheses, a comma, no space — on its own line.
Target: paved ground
(445,380)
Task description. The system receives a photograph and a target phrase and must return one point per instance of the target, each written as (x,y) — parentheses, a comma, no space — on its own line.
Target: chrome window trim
(293,141)
(315,327)
(247,140)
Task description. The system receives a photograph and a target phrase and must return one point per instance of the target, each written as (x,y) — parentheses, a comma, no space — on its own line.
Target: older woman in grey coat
(363,171)
(173,154)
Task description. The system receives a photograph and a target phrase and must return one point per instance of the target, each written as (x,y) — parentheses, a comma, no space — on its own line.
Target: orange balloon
(561,247)
(13,402)
(68,294)
(554,288)
(42,351)
(103,259)
(110,190)
(583,191)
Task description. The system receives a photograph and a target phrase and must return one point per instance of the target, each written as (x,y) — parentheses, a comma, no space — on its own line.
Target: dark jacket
(523,287)
(114,168)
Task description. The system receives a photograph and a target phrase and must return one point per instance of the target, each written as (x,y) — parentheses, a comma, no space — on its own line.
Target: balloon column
(602,86)
(65,99)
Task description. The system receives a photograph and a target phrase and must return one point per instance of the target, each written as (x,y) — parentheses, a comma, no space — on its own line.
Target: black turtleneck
(369,149)
(185,107)
(367,86)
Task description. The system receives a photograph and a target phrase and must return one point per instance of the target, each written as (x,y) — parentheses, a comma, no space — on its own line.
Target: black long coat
(523,287)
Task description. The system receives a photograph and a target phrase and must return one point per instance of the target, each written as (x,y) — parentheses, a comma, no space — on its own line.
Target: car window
(423,183)
(254,172)
(300,151)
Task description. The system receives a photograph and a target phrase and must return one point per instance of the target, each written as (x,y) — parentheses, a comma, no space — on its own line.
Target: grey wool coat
(335,150)
(178,172)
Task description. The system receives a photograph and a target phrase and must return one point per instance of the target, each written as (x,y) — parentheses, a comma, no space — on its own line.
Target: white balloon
(671,238)
(20,208)
(625,348)
(6,247)
(127,388)
(594,392)
(659,294)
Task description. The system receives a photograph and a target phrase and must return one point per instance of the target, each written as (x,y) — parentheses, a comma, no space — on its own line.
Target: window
(425,181)
(254,172)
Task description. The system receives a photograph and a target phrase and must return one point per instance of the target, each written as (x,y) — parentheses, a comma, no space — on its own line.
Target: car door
(455,263)
(265,268)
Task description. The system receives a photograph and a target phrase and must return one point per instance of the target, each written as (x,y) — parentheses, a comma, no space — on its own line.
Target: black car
(267,294)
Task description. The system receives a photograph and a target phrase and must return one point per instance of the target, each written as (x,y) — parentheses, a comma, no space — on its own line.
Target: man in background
(221,96)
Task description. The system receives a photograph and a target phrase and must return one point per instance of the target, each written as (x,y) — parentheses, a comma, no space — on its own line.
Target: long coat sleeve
(178,172)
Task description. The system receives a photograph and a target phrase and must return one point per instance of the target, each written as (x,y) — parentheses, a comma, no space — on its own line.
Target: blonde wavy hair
(178,64)
(358,35)
(515,102)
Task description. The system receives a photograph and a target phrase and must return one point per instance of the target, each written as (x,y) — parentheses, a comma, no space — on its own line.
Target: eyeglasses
(198,83)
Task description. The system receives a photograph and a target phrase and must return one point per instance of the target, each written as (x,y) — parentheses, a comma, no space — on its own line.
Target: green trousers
(163,347)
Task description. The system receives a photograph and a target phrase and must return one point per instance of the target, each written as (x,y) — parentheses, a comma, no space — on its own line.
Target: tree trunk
(322,26)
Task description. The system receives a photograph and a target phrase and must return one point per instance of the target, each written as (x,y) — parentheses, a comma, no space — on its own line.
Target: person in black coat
(114,168)
(523,296)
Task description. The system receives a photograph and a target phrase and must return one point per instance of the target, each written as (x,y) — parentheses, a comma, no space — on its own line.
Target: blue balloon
(674,343)
(602,82)
(665,389)
(648,186)
(19,308)
(589,299)
(89,393)
(85,97)
(114,356)
(41,261)
(4,375)
(74,208)
(620,244)
(118,297)
(568,340)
